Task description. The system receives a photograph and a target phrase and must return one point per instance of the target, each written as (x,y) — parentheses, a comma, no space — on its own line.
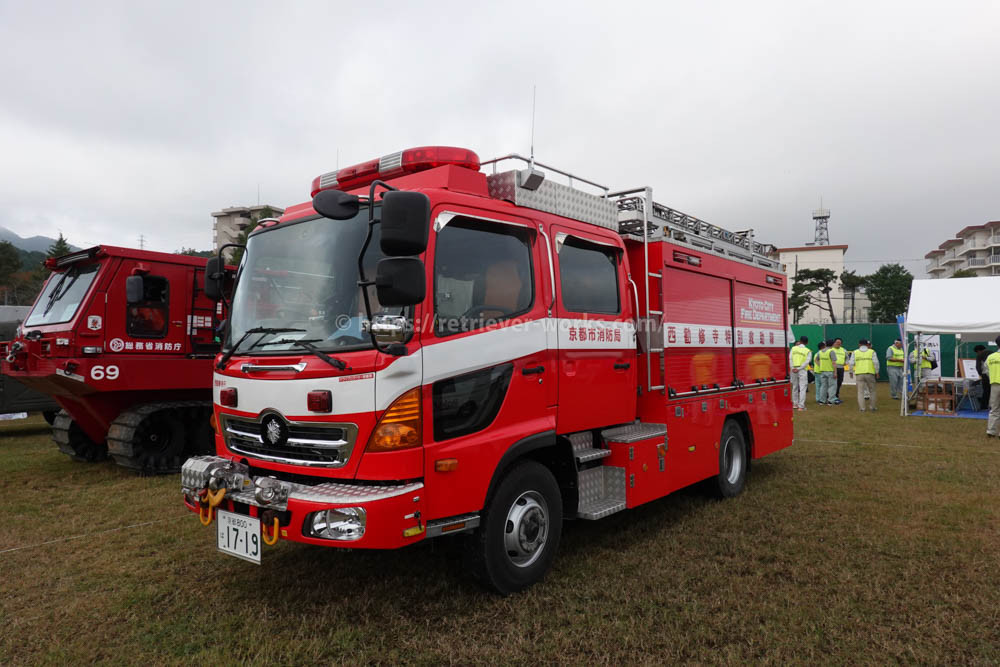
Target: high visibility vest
(925,358)
(799,355)
(993,366)
(863,362)
(824,364)
(841,355)
(897,357)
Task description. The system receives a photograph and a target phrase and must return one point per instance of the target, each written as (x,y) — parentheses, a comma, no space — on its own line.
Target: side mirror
(406,219)
(400,281)
(133,290)
(213,278)
(336,205)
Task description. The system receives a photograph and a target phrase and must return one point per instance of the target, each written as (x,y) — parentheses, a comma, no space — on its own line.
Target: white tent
(964,306)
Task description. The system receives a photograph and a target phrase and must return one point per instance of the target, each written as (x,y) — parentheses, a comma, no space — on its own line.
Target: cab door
(596,334)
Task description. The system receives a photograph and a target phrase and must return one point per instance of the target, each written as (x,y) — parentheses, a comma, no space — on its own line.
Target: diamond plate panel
(335,492)
(555,198)
(634,432)
(581,441)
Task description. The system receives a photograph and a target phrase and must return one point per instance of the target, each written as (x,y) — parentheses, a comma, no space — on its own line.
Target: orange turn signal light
(399,427)
(445,465)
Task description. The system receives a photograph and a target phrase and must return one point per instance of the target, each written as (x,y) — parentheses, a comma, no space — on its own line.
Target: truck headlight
(343,523)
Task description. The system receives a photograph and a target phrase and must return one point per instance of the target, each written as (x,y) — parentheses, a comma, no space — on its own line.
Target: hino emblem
(274,430)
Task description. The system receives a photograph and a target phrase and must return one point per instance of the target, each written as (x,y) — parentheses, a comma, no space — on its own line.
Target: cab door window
(588,277)
(483,274)
(149,318)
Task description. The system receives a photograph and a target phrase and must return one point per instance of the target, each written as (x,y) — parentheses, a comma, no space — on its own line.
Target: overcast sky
(118,119)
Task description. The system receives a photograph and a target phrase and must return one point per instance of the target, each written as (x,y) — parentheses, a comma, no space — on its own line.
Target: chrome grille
(319,444)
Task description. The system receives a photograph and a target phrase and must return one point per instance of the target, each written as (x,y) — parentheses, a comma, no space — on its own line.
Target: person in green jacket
(993,368)
(826,378)
(865,372)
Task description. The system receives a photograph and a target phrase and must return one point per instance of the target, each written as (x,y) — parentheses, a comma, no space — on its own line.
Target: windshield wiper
(249,332)
(58,292)
(308,345)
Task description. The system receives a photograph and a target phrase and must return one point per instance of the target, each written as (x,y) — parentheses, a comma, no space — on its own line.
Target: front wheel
(517,540)
(732,475)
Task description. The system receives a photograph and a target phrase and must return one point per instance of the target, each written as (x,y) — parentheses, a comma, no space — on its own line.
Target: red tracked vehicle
(426,349)
(123,340)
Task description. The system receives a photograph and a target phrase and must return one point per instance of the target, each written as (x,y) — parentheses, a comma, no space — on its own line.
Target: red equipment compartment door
(761,351)
(697,328)
(597,354)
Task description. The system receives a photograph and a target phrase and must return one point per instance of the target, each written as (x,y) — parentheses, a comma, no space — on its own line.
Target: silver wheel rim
(734,460)
(526,529)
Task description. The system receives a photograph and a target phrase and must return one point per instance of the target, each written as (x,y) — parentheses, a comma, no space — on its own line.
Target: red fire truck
(124,341)
(426,349)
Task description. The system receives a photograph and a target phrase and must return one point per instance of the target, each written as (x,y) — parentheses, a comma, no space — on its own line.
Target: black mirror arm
(222,271)
(395,349)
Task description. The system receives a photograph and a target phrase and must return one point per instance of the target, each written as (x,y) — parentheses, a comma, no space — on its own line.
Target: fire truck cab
(426,349)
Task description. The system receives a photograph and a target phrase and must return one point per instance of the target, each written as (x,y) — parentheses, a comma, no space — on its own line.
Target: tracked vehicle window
(588,277)
(148,319)
(62,295)
(482,275)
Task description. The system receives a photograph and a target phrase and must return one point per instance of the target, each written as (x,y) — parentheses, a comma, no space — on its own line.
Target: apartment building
(975,248)
(231,222)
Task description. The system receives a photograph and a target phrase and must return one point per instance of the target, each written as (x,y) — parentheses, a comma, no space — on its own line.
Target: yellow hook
(205,517)
(273,540)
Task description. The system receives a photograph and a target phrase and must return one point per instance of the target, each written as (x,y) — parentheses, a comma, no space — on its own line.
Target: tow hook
(269,518)
(207,502)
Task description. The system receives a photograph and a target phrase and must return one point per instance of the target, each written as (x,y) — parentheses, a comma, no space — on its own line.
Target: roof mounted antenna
(534,92)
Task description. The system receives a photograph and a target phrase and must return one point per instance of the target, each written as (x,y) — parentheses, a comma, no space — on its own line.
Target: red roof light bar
(389,166)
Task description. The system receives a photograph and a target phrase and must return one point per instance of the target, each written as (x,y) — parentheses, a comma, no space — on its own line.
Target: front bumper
(392,511)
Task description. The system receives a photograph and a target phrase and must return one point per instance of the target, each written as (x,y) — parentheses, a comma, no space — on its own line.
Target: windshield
(304,275)
(62,295)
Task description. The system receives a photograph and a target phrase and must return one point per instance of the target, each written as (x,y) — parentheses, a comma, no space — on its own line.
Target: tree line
(888,290)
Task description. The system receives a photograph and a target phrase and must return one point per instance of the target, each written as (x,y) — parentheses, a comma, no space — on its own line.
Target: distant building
(976,248)
(848,307)
(231,222)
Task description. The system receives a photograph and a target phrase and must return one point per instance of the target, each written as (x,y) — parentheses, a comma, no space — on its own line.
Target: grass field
(873,539)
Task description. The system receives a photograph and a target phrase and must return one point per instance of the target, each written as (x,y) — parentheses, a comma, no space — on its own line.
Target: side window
(482,274)
(468,403)
(149,318)
(588,277)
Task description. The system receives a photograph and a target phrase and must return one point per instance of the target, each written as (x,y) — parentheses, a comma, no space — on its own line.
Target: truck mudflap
(332,514)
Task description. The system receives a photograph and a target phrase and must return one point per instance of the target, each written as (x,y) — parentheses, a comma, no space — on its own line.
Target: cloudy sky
(121,119)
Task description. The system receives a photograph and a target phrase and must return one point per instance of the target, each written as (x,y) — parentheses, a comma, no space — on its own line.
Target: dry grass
(878,544)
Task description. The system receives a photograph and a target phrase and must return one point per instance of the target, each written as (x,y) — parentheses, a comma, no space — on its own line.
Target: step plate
(602,492)
(634,432)
(590,454)
(600,509)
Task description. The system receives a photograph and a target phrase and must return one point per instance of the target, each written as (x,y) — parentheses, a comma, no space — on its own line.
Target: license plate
(239,536)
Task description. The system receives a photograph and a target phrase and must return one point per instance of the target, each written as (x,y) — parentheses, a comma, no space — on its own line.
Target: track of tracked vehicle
(73,442)
(156,438)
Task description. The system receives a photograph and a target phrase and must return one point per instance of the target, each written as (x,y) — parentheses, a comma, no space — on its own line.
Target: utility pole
(142,242)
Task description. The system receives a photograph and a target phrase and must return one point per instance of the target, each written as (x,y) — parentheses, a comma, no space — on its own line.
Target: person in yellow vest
(925,361)
(865,372)
(894,360)
(826,379)
(993,368)
(839,357)
(798,364)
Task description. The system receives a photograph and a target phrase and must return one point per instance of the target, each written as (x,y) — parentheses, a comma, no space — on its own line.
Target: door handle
(622,367)
(533,370)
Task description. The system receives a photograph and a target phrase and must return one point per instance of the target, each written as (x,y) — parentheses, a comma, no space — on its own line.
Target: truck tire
(519,534)
(73,442)
(156,438)
(733,461)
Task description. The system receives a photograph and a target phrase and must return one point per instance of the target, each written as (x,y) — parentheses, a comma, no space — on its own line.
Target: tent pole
(904,409)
